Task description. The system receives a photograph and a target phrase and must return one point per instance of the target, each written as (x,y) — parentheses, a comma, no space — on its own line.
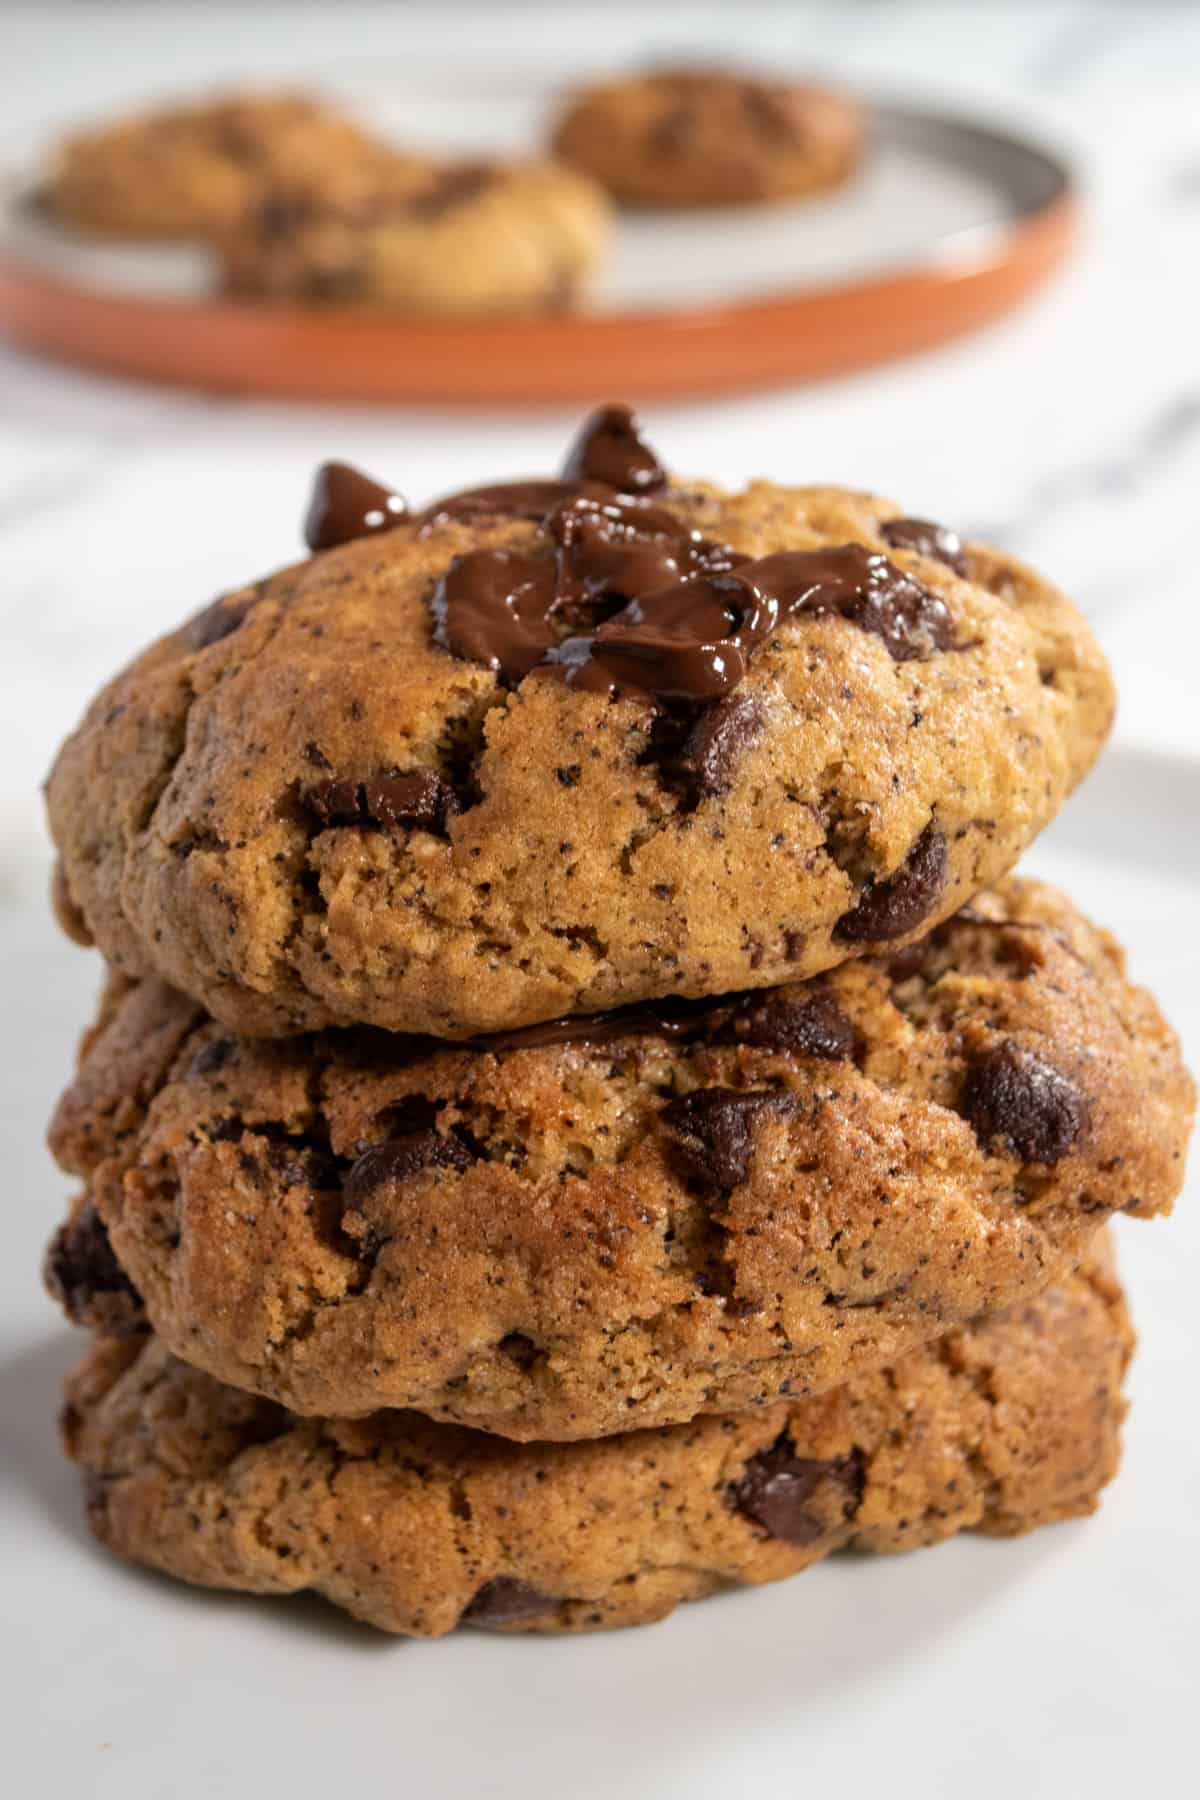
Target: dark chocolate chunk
(452,186)
(610,448)
(96,1489)
(493,607)
(774,112)
(533,500)
(1016,1102)
(418,798)
(692,613)
(704,764)
(906,963)
(401,1157)
(690,643)
(220,620)
(503,1600)
(928,539)
(214,1056)
(670,135)
(796,1019)
(658,1018)
(889,909)
(777,1489)
(714,1129)
(859,585)
(347,504)
(280,216)
(83,1275)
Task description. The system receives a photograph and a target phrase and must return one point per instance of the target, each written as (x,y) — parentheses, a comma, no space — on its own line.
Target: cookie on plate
(628,1220)
(192,171)
(1001,1426)
(705,137)
(557,746)
(464,239)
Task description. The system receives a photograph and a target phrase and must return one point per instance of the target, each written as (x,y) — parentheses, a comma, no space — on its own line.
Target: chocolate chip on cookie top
(676,617)
(346,504)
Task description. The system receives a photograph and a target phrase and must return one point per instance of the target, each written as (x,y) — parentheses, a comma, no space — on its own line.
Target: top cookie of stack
(553,747)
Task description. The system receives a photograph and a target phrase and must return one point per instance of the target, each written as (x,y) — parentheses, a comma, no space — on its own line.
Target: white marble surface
(1072,433)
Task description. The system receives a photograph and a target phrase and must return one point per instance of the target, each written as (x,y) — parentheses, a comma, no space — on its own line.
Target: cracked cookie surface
(651,739)
(704,137)
(192,171)
(627,1221)
(1000,1426)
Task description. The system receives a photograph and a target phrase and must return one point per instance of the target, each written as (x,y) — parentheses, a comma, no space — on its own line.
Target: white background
(1063,1664)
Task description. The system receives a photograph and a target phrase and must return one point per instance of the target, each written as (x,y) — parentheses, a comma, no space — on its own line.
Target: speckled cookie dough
(630,1220)
(705,137)
(418,1528)
(463,239)
(559,746)
(192,171)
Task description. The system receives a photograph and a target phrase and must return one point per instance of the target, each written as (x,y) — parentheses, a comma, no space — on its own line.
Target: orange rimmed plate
(949,225)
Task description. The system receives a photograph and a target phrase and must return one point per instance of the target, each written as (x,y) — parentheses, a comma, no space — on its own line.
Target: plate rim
(288,351)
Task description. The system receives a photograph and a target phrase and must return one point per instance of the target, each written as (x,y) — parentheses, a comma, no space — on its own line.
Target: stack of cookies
(581,1114)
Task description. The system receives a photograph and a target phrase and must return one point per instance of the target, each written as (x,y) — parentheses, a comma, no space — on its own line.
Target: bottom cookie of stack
(418,1527)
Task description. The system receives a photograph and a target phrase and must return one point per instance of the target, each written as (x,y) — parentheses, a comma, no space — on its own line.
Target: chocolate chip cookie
(416,1528)
(558,746)
(626,1220)
(192,171)
(466,238)
(704,137)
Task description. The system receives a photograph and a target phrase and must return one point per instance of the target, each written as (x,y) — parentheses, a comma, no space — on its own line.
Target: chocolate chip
(493,607)
(401,1157)
(503,1600)
(669,135)
(346,504)
(345,281)
(688,644)
(794,1019)
(96,1489)
(83,1275)
(861,586)
(610,448)
(704,764)
(214,1056)
(418,798)
(928,539)
(220,620)
(280,217)
(1016,1102)
(451,187)
(714,1130)
(889,909)
(777,1488)
(772,112)
(906,963)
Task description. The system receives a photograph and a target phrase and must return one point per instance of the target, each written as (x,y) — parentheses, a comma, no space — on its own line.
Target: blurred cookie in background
(189,171)
(703,137)
(452,239)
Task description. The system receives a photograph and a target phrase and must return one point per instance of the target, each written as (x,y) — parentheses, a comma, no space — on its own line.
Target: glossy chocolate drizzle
(506,609)
(627,599)
(800,1017)
(691,642)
